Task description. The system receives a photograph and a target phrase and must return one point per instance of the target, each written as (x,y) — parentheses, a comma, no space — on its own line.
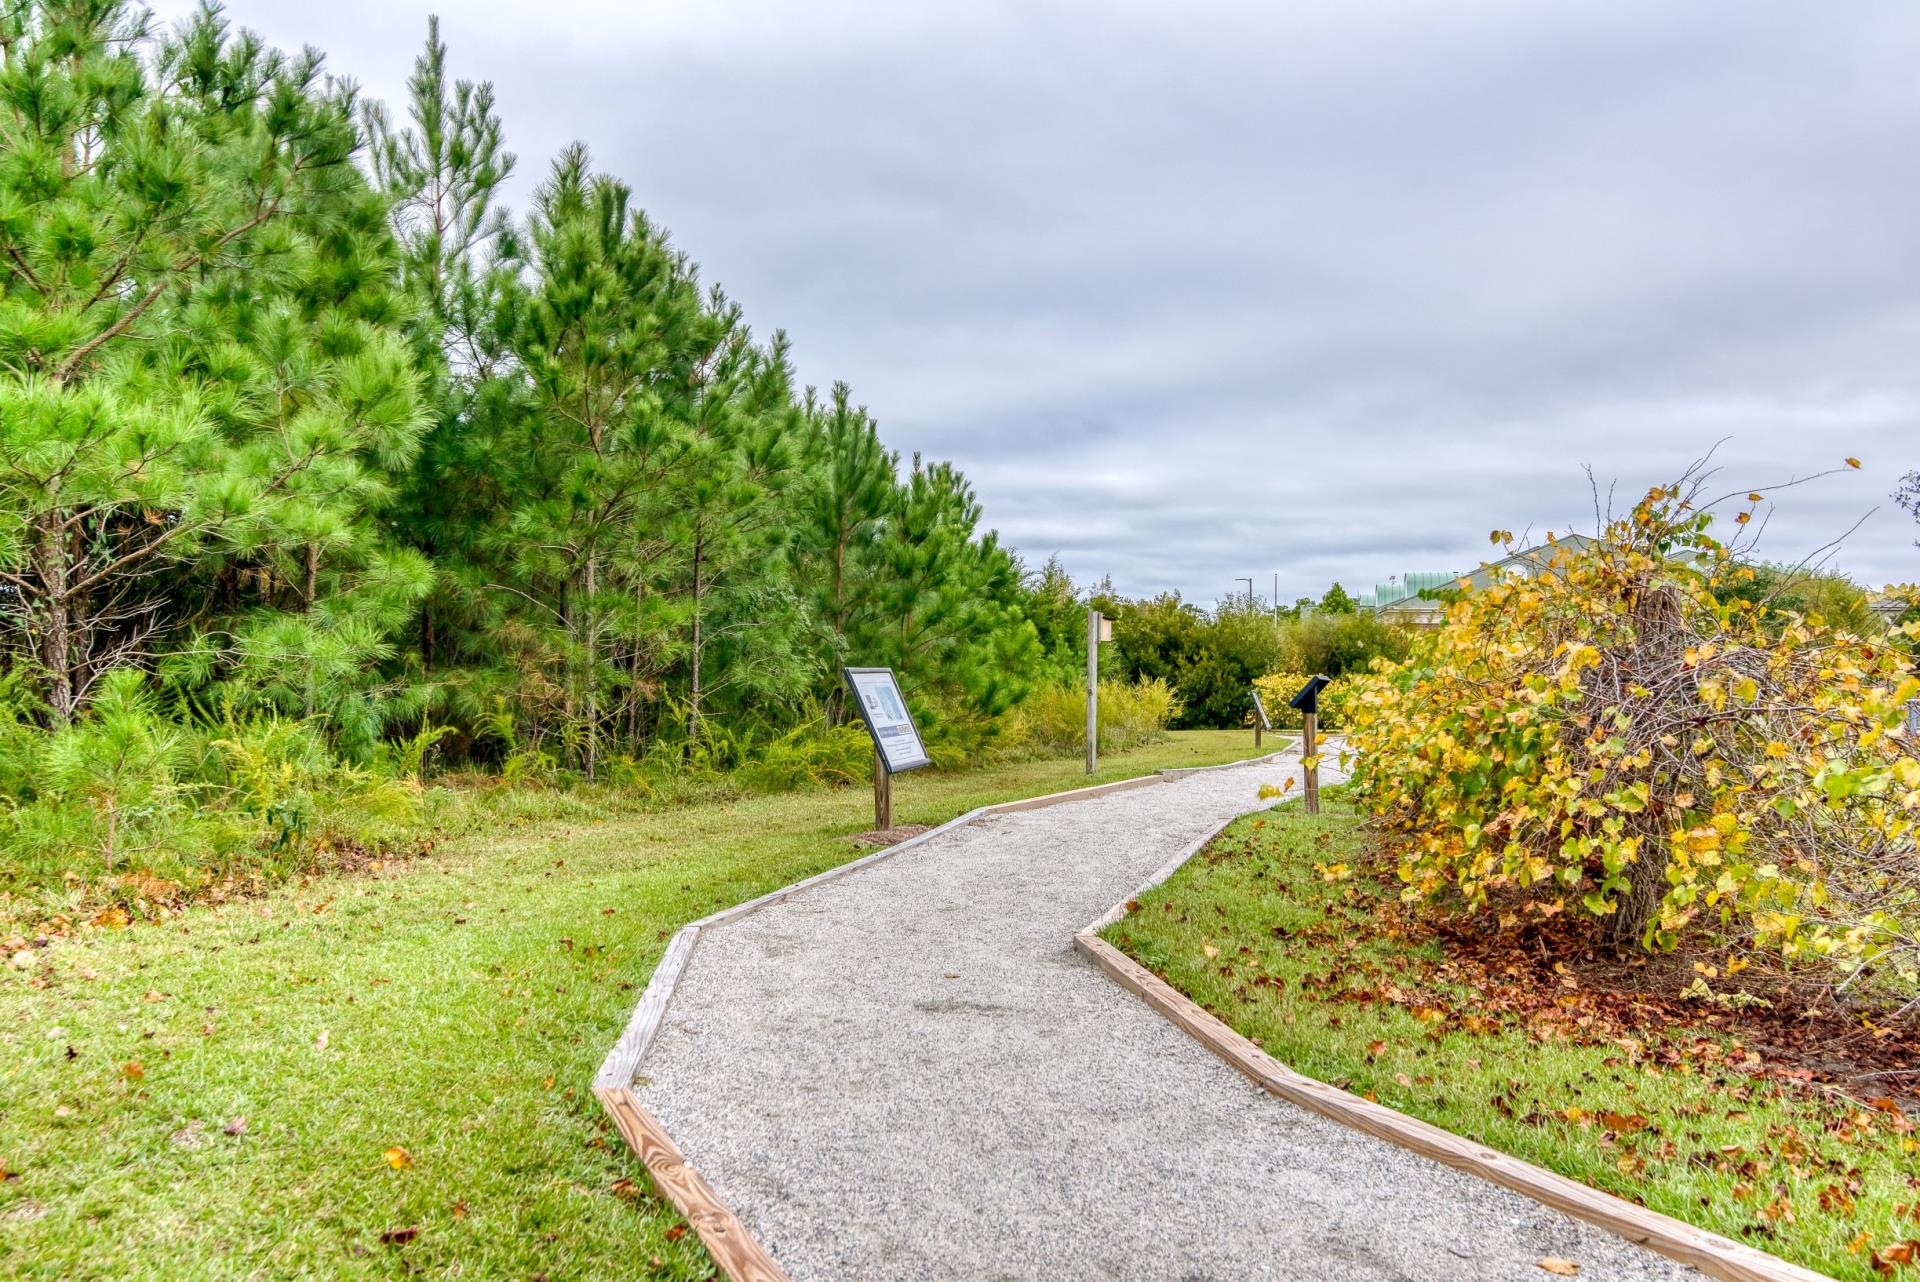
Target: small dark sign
(877,694)
(1308,700)
(1260,712)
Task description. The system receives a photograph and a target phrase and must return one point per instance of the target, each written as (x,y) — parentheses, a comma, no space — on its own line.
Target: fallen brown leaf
(1897,1253)
(1554,1264)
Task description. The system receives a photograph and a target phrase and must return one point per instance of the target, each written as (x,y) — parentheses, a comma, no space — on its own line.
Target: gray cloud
(1330,290)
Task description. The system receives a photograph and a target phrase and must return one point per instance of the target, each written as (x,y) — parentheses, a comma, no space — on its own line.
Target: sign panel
(1308,700)
(877,695)
(1260,712)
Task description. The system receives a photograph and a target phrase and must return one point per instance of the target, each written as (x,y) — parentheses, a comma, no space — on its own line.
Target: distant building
(1400,599)
(1414,599)
(1888,607)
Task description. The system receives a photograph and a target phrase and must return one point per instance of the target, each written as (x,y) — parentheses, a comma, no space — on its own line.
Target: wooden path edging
(737,1253)
(735,1250)
(1716,1256)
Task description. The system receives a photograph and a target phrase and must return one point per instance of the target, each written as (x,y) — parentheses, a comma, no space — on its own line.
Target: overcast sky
(1328,290)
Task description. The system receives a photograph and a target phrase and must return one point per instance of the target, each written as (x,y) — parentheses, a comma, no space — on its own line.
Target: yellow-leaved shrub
(1611,739)
(1053,721)
(1277,687)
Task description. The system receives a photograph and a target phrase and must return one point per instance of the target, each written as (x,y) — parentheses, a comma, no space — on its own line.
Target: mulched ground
(1548,974)
(880,838)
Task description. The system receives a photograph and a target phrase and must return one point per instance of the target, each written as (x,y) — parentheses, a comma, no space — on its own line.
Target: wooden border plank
(1287,744)
(836,872)
(1076,794)
(1166,870)
(623,1061)
(1716,1256)
(736,1251)
(1175,864)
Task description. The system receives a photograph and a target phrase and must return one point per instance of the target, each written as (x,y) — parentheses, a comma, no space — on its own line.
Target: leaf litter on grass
(1786,1124)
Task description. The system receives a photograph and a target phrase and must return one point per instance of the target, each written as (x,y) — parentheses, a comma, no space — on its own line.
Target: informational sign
(1260,712)
(877,695)
(1308,700)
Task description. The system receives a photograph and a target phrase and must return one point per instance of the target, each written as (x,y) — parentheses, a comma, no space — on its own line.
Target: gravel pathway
(910,1074)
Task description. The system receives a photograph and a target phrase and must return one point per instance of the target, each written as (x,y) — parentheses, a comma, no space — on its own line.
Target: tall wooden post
(1309,750)
(1256,732)
(1093,688)
(882,794)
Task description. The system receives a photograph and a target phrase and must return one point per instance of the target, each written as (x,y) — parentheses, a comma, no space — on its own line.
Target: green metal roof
(1529,561)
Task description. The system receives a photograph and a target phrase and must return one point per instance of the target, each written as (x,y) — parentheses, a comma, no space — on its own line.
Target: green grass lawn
(216,1095)
(1281,930)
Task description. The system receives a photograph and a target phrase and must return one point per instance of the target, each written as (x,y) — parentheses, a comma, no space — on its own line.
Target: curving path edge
(911,1074)
(734,1248)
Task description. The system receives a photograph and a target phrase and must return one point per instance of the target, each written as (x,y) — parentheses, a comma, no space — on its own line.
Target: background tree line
(299,419)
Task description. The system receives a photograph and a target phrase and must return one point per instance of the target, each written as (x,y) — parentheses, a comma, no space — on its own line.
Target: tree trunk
(56,644)
(1647,886)
(693,693)
(1657,619)
(837,695)
(633,699)
(633,673)
(593,665)
(309,592)
(570,686)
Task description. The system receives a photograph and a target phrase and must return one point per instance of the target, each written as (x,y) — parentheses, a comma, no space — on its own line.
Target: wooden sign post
(896,741)
(1309,752)
(1307,702)
(1261,723)
(1093,688)
(1099,628)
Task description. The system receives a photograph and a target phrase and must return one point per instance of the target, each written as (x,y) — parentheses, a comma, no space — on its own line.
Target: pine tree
(727,492)
(442,173)
(851,488)
(140,199)
(611,331)
(946,599)
(319,589)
